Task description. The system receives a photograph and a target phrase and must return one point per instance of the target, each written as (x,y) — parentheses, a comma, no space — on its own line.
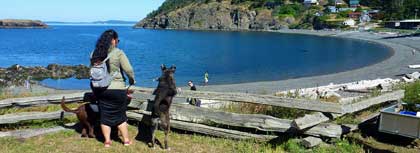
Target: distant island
(14,23)
(115,22)
(118,22)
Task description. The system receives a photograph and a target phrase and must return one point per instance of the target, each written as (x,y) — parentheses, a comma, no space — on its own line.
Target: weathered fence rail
(313,105)
(27,116)
(304,104)
(42,100)
(208,130)
(189,113)
(233,97)
(355,107)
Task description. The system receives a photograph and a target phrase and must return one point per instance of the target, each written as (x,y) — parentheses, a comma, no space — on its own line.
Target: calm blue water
(229,57)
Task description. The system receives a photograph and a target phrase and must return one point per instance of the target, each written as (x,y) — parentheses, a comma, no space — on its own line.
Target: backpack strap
(107,58)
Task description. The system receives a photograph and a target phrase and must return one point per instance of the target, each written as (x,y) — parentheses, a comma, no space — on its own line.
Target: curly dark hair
(102,46)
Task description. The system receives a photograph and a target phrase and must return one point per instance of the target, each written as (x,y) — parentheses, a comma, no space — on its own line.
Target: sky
(77,10)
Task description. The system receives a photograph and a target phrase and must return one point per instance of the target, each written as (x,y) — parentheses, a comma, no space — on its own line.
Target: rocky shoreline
(22,24)
(216,16)
(17,75)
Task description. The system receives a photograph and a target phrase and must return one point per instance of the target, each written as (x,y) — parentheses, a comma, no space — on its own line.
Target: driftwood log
(207,130)
(310,120)
(328,130)
(310,142)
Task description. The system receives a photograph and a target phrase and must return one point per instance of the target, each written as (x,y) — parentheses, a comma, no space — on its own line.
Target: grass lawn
(70,141)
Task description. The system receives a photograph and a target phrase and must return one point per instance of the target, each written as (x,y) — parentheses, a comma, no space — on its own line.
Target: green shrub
(412,95)
(340,145)
(289,10)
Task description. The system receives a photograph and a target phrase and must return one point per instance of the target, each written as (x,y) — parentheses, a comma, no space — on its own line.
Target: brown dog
(88,114)
(164,94)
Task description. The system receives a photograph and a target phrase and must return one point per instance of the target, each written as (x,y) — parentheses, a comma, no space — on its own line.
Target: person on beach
(193,101)
(191,85)
(113,99)
(206,78)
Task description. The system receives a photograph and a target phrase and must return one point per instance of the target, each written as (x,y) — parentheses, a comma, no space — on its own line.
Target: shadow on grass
(97,131)
(370,129)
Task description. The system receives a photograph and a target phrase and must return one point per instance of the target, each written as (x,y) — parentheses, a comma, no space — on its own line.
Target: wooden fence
(219,123)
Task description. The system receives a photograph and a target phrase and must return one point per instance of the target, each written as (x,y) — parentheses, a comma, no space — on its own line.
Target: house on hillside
(339,2)
(349,22)
(332,9)
(346,9)
(309,3)
(354,3)
(374,14)
(355,15)
(365,17)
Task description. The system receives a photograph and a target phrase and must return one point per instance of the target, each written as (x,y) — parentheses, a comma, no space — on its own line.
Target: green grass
(7,95)
(341,146)
(279,112)
(70,141)
(336,146)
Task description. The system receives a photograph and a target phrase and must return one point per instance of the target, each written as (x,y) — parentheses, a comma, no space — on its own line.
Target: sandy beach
(389,68)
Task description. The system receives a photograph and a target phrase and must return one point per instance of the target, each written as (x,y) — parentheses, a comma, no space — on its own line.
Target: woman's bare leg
(106,131)
(123,128)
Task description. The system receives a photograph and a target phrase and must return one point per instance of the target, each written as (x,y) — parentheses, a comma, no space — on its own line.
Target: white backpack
(99,76)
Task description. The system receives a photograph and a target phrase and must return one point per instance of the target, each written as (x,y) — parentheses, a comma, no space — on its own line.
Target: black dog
(164,94)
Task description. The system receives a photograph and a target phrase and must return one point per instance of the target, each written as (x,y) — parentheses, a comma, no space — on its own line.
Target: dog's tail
(65,108)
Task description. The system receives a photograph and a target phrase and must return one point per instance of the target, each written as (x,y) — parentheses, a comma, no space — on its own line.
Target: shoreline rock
(22,24)
(17,75)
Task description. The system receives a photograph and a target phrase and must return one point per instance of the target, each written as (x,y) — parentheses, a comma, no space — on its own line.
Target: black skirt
(112,106)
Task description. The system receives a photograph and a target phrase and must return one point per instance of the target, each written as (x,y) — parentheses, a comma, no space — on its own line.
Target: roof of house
(310,1)
(355,13)
(340,1)
(354,2)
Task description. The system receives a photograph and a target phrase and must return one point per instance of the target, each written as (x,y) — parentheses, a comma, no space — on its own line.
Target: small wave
(87,35)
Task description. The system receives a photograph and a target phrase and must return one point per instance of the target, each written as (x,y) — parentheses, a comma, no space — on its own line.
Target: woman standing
(113,99)
(206,78)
